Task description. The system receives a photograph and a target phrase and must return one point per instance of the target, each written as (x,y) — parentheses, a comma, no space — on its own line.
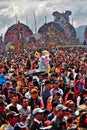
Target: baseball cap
(11,114)
(38,111)
(61,107)
(34,90)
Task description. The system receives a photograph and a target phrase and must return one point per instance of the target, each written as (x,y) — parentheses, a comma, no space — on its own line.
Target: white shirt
(18,106)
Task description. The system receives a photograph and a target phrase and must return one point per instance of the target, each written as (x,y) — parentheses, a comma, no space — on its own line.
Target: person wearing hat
(38,117)
(12,118)
(59,118)
(35,100)
(56,87)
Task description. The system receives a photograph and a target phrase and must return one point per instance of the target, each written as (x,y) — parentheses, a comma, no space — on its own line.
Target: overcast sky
(24,10)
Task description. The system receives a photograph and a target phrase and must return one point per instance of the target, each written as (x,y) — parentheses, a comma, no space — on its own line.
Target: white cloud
(42,8)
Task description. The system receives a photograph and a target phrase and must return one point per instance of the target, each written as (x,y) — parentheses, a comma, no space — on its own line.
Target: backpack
(79,86)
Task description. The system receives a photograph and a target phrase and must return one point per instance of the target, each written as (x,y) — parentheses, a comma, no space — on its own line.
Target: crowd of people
(43,101)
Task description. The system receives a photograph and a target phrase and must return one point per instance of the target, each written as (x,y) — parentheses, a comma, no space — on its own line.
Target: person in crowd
(28,64)
(54,97)
(53,112)
(56,87)
(38,117)
(35,100)
(12,89)
(6,90)
(71,80)
(2,76)
(65,78)
(59,118)
(83,121)
(78,84)
(82,107)
(25,110)
(23,87)
(14,102)
(46,92)
(12,118)
(17,82)
(71,105)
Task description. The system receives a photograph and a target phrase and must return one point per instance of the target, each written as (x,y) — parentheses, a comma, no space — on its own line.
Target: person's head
(65,73)
(54,105)
(34,92)
(24,102)
(13,108)
(14,83)
(7,84)
(48,84)
(77,77)
(14,99)
(54,75)
(70,104)
(38,113)
(23,83)
(60,110)
(12,117)
(55,84)
(68,112)
(69,121)
(46,113)
(30,87)
(83,120)
(57,95)
(71,96)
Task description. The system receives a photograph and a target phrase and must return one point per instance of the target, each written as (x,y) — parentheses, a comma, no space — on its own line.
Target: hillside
(80,32)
